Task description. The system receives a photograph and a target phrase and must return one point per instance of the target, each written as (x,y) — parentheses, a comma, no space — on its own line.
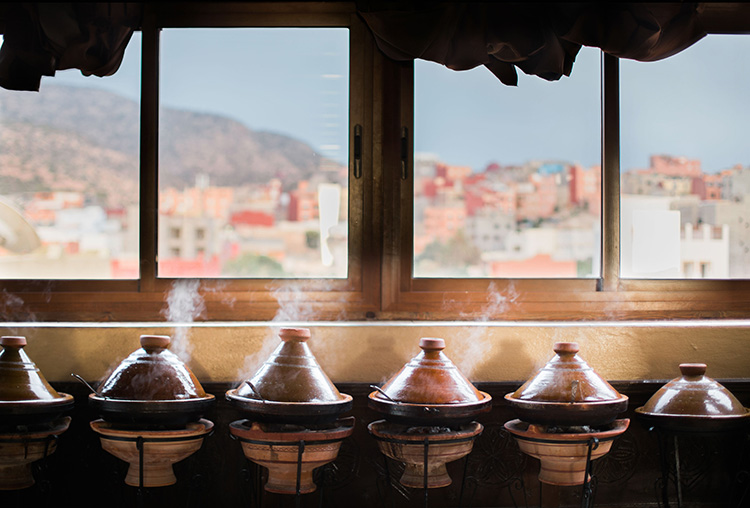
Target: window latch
(404,153)
(358,151)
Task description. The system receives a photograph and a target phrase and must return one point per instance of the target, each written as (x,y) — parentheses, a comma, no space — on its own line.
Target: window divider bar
(610,275)
(149,182)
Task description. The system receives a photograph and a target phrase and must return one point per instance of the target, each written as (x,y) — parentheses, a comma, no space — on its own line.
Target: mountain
(86,139)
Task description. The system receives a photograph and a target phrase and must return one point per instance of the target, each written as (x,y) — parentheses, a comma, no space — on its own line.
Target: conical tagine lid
(20,379)
(567,392)
(430,378)
(291,374)
(566,378)
(694,395)
(429,390)
(152,373)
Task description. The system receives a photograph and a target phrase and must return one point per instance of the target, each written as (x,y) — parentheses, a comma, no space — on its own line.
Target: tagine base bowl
(19,449)
(407,444)
(564,455)
(161,449)
(286,450)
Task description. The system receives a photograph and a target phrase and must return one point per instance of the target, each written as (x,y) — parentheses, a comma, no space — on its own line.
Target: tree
(457,254)
(252,265)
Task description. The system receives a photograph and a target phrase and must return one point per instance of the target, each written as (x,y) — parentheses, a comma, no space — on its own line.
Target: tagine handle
(692,369)
(294,334)
(566,348)
(154,343)
(12,341)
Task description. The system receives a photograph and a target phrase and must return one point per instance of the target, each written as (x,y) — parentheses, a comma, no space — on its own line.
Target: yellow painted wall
(372,352)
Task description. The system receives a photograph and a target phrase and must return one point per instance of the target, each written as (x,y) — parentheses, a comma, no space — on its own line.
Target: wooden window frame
(608,297)
(230,299)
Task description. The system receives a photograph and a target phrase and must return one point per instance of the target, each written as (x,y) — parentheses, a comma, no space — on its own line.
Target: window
(489,155)
(188,226)
(686,163)
(253,148)
(69,177)
(390,186)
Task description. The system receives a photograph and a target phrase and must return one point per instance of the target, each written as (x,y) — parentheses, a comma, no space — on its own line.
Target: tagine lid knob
(294,334)
(566,348)
(692,369)
(431,344)
(153,343)
(12,341)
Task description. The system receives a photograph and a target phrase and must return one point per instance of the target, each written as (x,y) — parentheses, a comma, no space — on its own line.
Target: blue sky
(693,104)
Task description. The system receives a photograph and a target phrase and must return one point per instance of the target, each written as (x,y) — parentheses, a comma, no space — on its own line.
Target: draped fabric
(540,39)
(41,38)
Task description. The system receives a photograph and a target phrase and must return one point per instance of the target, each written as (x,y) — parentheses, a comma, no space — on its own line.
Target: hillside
(84,139)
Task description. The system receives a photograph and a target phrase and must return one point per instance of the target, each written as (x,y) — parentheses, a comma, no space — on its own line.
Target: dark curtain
(541,39)
(41,38)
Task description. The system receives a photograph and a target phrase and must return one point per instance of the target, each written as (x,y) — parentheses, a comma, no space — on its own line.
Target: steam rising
(184,305)
(474,344)
(294,302)
(11,306)
(295,309)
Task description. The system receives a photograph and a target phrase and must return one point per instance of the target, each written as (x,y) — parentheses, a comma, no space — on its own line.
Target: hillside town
(539,219)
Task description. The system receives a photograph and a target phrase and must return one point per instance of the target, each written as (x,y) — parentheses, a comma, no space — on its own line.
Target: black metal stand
(587,496)
(42,482)
(140,441)
(426,459)
(666,438)
(300,452)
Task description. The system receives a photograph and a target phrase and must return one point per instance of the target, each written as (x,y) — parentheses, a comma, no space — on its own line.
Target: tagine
(151,387)
(429,390)
(567,392)
(290,386)
(694,402)
(26,398)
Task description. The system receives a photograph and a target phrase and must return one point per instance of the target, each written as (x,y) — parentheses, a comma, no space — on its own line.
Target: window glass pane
(507,179)
(685,177)
(253,152)
(69,176)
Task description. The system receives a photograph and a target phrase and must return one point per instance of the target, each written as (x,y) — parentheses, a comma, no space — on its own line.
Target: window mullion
(148,203)
(610,274)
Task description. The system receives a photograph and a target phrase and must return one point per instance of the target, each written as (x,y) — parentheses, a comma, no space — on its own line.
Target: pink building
(442,222)
(303,203)
(675,166)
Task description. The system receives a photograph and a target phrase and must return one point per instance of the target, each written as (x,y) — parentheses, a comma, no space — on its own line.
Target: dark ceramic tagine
(694,402)
(151,387)
(290,387)
(429,390)
(26,398)
(567,392)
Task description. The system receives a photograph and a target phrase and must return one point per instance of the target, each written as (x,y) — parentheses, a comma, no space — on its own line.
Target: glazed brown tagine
(26,398)
(293,408)
(694,402)
(290,387)
(428,407)
(31,415)
(429,390)
(567,392)
(151,388)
